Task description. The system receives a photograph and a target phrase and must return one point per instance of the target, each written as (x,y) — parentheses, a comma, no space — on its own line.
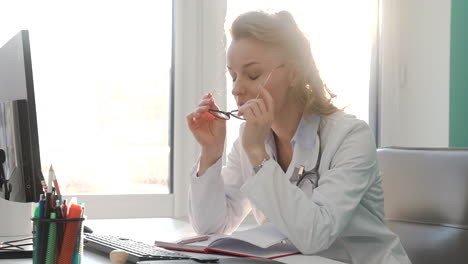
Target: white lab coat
(342,218)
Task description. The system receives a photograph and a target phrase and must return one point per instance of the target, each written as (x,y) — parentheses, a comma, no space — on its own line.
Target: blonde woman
(299,163)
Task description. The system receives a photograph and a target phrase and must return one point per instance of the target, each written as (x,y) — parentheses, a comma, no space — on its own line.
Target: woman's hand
(259,114)
(209,131)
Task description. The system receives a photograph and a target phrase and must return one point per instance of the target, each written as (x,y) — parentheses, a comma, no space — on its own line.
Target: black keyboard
(137,251)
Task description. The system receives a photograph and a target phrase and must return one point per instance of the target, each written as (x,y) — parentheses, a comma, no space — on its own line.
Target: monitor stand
(15,218)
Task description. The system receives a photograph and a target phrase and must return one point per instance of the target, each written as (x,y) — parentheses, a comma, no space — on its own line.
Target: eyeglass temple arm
(264,83)
(268,78)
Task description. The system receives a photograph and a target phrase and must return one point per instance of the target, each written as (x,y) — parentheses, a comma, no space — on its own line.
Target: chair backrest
(426,201)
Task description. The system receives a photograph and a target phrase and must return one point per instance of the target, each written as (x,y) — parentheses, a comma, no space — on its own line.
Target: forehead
(246,50)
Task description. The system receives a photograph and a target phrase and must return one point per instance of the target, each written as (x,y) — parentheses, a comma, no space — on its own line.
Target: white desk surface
(149,229)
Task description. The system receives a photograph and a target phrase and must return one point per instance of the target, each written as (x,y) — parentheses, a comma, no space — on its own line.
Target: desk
(166,229)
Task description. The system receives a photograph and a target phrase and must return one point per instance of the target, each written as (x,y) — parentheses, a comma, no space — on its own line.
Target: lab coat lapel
(306,147)
(305,151)
(306,155)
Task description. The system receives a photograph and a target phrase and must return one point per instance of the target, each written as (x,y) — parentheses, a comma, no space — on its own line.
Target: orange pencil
(70,237)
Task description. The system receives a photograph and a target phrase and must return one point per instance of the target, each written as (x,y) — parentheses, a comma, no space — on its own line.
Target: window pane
(340,33)
(102,78)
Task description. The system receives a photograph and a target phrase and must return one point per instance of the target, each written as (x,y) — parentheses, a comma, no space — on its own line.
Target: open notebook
(264,241)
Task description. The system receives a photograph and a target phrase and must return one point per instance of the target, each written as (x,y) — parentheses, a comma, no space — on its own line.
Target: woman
(299,162)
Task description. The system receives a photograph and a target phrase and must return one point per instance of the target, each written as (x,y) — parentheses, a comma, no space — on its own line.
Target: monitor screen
(20,173)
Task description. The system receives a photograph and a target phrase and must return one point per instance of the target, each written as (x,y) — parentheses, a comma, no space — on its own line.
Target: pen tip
(51,168)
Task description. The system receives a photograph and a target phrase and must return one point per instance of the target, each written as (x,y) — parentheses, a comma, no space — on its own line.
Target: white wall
(414,74)
(18,221)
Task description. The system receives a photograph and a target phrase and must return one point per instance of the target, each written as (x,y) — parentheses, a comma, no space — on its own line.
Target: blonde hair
(280,29)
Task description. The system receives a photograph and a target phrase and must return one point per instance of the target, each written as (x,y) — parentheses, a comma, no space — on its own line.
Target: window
(341,35)
(102,83)
(102,77)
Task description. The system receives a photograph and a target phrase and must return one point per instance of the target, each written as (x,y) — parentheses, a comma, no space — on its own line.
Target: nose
(238,88)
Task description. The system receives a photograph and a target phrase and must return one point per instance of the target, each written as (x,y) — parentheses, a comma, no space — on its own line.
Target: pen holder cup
(57,240)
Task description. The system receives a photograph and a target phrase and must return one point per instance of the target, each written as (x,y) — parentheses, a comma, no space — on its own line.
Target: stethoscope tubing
(303,174)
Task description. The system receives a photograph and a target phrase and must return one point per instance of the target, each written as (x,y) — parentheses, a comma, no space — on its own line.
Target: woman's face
(249,62)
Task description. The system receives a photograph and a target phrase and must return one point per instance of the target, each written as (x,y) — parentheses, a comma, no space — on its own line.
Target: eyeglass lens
(225,115)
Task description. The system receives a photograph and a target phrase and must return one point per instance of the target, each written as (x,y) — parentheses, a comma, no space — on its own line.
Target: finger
(247,113)
(258,106)
(251,109)
(193,114)
(208,95)
(240,111)
(267,98)
(202,109)
(207,101)
(192,120)
(261,105)
(213,105)
(208,116)
(256,109)
(210,102)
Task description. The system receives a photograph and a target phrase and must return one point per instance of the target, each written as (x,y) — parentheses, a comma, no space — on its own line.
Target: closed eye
(253,78)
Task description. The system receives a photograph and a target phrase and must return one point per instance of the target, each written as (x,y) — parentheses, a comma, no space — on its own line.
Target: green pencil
(36,237)
(50,256)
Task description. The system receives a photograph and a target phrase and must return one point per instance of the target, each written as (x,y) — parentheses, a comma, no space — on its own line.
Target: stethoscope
(312,176)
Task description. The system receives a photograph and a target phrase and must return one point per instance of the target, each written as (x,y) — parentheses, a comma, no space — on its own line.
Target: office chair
(426,201)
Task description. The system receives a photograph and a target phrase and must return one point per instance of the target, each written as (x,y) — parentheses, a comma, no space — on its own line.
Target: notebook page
(204,242)
(263,236)
(242,248)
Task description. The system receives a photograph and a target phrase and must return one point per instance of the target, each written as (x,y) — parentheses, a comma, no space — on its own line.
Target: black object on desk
(87,229)
(16,254)
(14,249)
(237,260)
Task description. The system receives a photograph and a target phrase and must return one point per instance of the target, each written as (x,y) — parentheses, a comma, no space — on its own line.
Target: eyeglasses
(227,115)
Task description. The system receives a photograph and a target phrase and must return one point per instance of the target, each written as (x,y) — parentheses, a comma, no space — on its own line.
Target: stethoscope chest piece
(306,177)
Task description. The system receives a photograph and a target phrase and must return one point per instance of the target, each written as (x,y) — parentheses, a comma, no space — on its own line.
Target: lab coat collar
(305,144)
(307,126)
(305,149)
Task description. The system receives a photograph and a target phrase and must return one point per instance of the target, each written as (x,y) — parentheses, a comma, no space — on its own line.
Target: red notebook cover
(264,241)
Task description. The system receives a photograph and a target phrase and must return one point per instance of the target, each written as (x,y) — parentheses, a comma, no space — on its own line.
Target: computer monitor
(20,173)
